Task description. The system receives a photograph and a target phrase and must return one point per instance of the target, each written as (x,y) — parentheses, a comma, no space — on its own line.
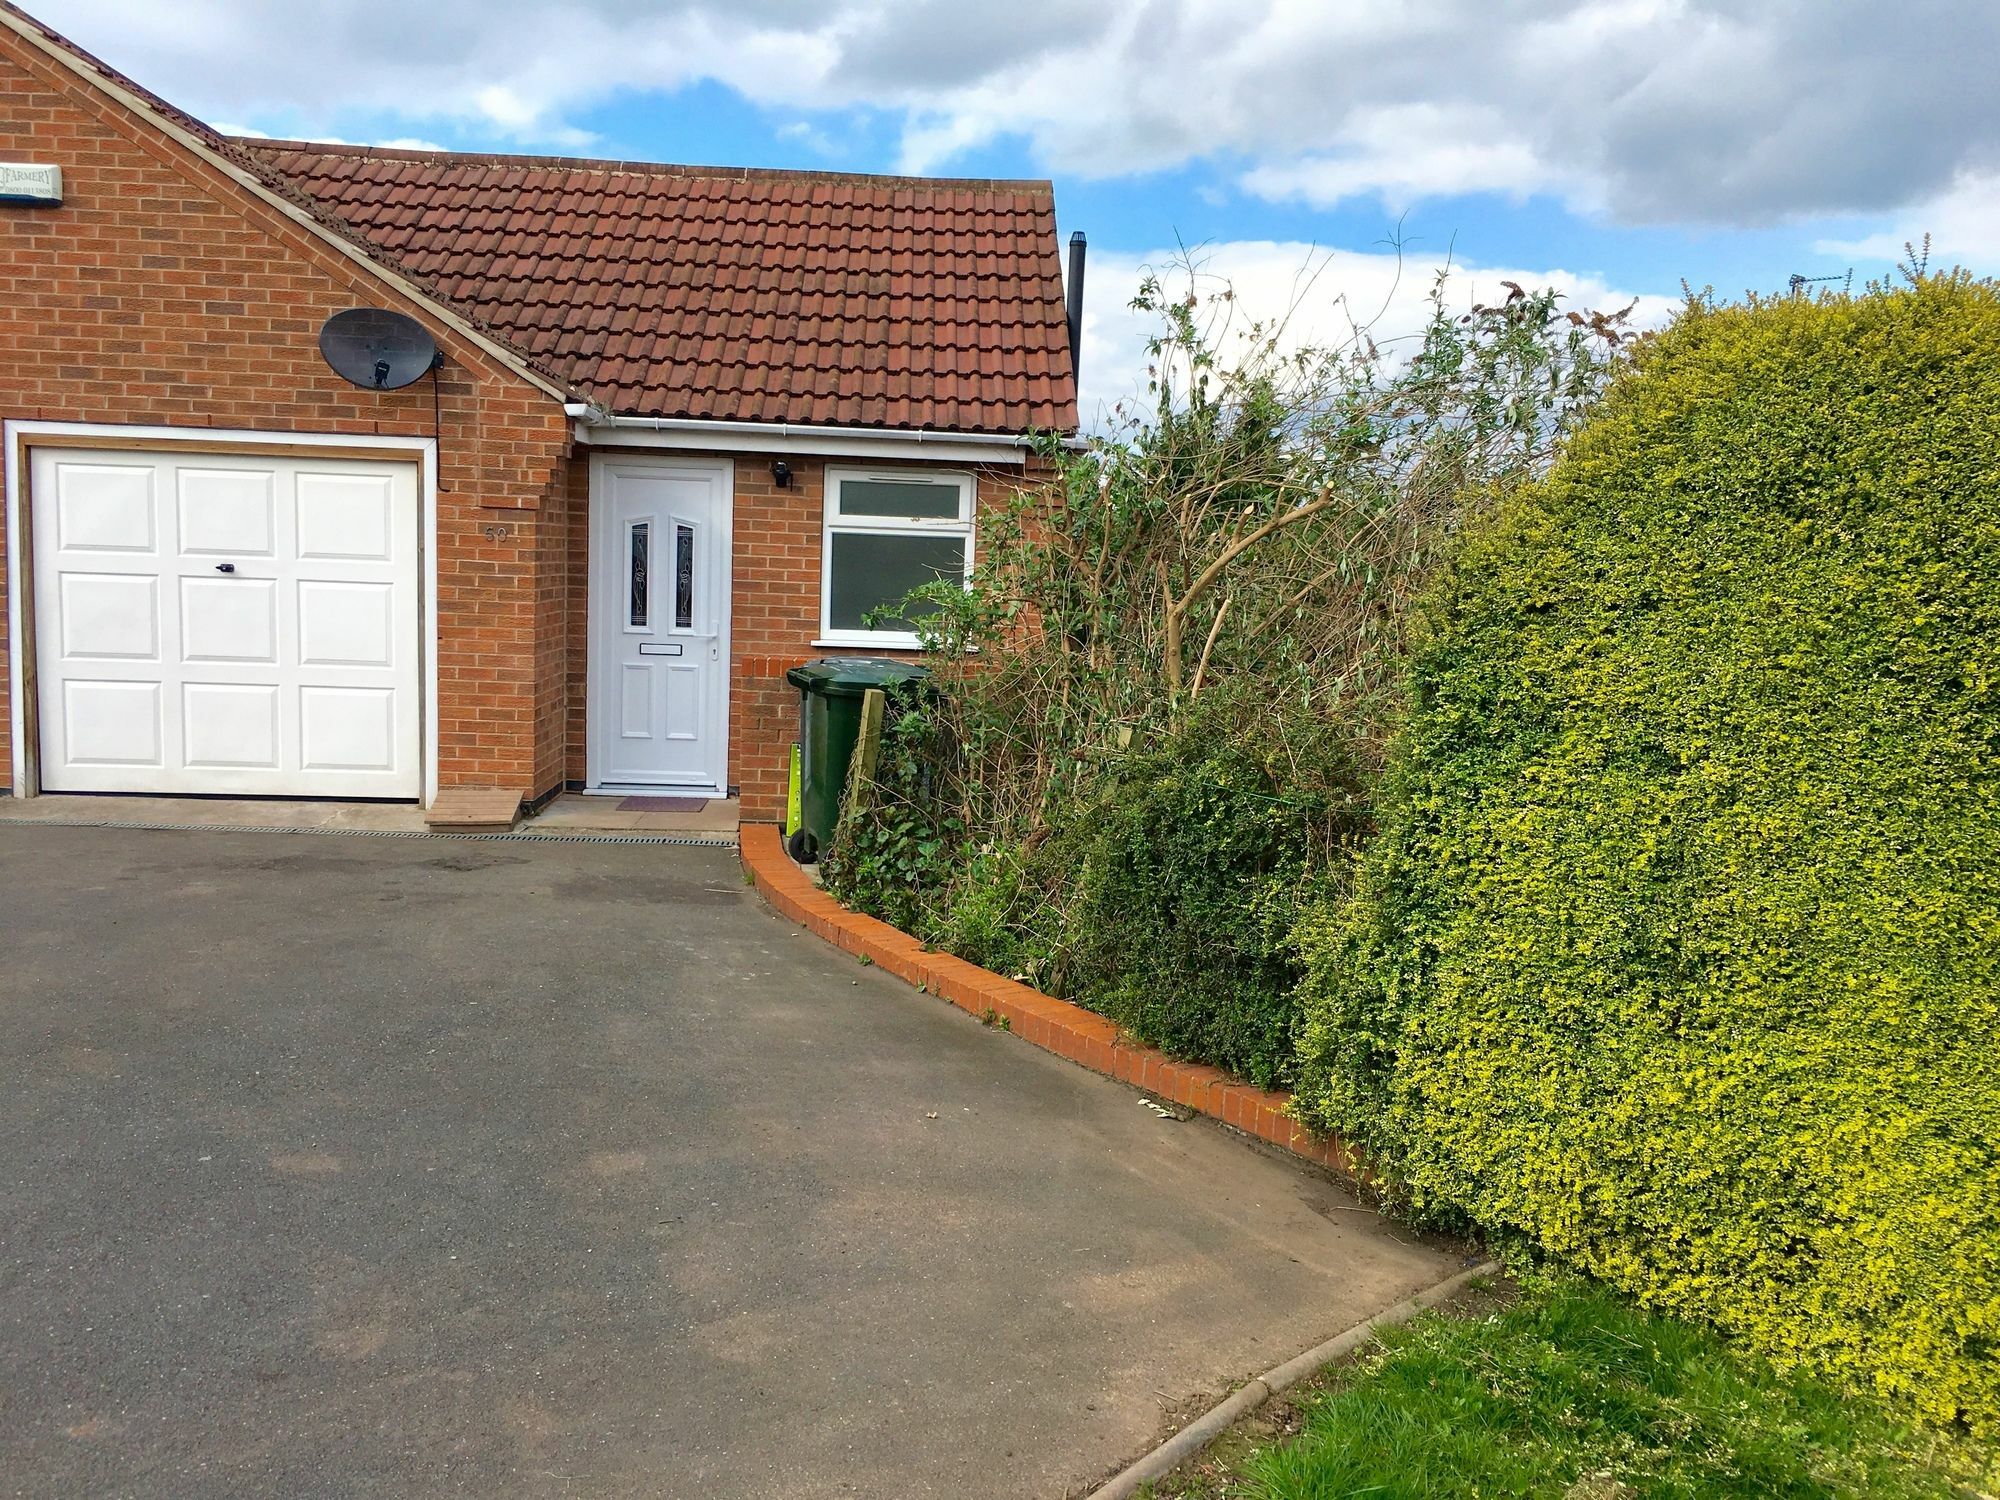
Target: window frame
(835,521)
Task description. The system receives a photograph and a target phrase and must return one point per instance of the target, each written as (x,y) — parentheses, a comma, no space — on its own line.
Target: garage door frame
(19,437)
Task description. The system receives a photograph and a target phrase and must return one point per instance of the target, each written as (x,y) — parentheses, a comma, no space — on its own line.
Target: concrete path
(350,1166)
(711,819)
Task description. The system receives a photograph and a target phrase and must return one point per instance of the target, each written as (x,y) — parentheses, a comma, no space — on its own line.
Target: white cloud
(1671,111)
(395,143)
(505,108)
(1405,152)
(1319,295)
(930,141)
(810,136)
(514,116)
(1963,223)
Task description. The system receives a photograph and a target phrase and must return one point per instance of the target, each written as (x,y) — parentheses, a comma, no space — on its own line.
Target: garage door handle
(225,567)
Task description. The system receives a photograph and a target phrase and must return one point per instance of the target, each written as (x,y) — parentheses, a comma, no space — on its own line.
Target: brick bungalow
(690,428)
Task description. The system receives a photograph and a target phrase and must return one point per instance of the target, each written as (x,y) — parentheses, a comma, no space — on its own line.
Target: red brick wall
(573,568)
(774,616)
(773,622)
(162,292)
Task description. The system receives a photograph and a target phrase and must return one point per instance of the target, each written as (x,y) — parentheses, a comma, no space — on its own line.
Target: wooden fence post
(867,750)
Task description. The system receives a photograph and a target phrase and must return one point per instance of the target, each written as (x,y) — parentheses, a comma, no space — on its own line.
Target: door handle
(225,567)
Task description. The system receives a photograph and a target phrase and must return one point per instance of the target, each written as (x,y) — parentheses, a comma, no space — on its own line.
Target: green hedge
(1678,950)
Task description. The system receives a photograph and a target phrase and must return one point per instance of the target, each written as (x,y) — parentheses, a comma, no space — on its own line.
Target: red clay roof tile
(735,294)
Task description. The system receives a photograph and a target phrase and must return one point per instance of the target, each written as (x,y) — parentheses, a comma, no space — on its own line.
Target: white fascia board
(603,431)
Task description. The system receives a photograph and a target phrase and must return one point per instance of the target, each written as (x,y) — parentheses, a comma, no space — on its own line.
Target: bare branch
(1214,629)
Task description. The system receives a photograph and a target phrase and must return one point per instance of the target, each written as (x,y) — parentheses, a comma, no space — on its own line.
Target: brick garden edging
(1051,1024)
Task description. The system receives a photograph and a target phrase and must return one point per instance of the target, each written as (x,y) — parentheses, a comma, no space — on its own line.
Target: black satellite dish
(377,349)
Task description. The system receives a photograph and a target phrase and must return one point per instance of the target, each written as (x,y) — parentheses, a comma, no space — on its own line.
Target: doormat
(662,804)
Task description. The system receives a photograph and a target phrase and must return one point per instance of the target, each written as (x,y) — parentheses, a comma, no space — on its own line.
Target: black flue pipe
(1075,301)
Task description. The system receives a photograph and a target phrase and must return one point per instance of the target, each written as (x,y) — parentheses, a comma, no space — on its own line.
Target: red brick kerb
(1051,1024)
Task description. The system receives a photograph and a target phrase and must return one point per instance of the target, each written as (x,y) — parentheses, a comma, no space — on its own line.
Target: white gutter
(604,429)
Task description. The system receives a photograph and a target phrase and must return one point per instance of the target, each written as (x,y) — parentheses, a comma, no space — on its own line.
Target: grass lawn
(1571,1391)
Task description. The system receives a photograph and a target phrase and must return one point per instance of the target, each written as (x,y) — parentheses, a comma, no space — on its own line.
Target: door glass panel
(908,501)
(638,607)
(871,572)
(683,577)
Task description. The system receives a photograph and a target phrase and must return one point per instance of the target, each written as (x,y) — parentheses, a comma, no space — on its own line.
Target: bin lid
(851,676)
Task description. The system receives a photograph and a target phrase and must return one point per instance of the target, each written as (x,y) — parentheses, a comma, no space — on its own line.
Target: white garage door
(226,623)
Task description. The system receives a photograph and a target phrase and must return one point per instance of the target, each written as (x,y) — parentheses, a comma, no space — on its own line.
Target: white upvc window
(888,531)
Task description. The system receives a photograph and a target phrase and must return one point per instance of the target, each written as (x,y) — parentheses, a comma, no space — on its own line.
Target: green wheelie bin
(830,692)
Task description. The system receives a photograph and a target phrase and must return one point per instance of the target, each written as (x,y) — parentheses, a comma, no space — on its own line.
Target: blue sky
(1615,148)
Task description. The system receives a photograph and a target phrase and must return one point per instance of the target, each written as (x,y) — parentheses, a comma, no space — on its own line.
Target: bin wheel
(803,847)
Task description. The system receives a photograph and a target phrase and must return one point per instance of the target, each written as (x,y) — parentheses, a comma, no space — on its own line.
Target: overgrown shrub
(1166,901)
(1155,708)
(896,857)
(1679,948)
(1175,890)
(1262,528)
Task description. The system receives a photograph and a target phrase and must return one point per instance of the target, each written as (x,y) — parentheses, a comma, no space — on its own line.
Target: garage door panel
(230,725)
(227,512)
(346,516)
(346,624)
(112,723)
(109,617)
(229,619)
(104,507)
(229,624)
(347,729)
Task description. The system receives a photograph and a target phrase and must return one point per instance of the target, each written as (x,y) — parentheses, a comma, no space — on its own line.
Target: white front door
(229,623)
(659,624)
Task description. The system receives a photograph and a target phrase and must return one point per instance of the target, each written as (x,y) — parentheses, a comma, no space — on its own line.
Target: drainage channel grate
(688,840)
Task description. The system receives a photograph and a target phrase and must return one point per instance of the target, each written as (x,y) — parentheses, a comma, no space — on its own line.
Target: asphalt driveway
(343,1166)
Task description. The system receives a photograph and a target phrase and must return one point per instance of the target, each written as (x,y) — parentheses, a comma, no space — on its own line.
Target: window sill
(912,649)
(865,643)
